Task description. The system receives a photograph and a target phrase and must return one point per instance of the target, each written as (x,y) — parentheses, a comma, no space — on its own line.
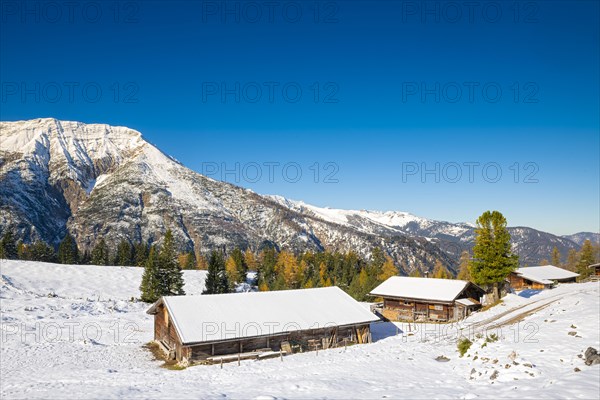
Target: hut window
(437,307)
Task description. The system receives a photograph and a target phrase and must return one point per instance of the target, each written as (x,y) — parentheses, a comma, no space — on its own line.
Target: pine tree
(216,279)
(140,253)
(556,257)
(67,250)
(586,258)
(493,259)
(150,286)
(100,254)
(8,245)
(440,272)
(190,261)
(40,251)
(240,263)
(124,256)
(170,274)
(463,266)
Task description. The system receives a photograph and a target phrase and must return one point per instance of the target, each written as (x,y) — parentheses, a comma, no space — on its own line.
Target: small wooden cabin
(201,328)
(539,278)
(595,275)
(427,299)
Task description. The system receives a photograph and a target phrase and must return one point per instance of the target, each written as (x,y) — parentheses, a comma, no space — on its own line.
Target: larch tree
(556,257)
(440,272)
(463,266)
(387,270)
(415,273)
(493,259)
(572,260)
(250,259)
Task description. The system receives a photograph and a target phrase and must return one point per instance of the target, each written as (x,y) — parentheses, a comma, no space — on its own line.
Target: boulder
(591,356)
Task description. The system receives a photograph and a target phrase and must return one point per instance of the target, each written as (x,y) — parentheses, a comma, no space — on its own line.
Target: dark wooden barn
(427,299)
(213,328)
(539,278)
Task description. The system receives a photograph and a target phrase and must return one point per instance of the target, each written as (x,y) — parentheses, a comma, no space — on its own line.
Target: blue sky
(369,94)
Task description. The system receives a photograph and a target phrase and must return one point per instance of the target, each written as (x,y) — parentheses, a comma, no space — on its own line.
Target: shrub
(463,346)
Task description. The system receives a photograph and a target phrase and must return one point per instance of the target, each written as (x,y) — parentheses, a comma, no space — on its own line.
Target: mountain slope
(530,244)
(581,237)
(101,181)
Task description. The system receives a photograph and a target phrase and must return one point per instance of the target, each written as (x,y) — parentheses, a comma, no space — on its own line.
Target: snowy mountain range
(99,181)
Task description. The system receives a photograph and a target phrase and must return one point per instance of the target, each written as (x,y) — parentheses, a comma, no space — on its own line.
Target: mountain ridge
(97,180)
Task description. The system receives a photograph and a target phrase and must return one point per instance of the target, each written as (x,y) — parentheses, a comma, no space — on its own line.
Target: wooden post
(345,344)
(221,362)
(281,355)
(239,358)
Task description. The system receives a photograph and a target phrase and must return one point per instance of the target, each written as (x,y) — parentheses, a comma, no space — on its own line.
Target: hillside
(104,356)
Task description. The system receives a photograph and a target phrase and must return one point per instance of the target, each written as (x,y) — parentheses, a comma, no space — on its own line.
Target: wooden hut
(231,326)
(539,278)
(595,275)
(427,299)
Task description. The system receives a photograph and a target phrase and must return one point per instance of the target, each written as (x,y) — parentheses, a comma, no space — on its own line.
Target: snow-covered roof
(467,302)
(594,265)
(421,288)
(218,317)
(545,274)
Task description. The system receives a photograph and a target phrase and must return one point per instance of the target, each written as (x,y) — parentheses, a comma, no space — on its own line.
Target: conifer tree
(463,266)
(190,261)
(387,270)
(100,254)
(240,264)
(216,279)
(201,262)
(586,258)
(250,259)
(493,259)
(233,276)
(556,257)
(170,274)
(40,251)
(140,253)
(67,250)
(8,245)
(150,286)
(440,272)
(415,273)
(572,260)
(124,256)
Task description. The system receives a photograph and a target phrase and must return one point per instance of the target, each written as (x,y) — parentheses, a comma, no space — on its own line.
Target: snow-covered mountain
(532,245)
(581,237)
(101,181)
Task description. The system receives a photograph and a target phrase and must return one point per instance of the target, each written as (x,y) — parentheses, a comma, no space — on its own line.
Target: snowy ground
(73,332)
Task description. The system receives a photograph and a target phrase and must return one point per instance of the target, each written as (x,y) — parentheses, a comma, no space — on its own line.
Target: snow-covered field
(73,332)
